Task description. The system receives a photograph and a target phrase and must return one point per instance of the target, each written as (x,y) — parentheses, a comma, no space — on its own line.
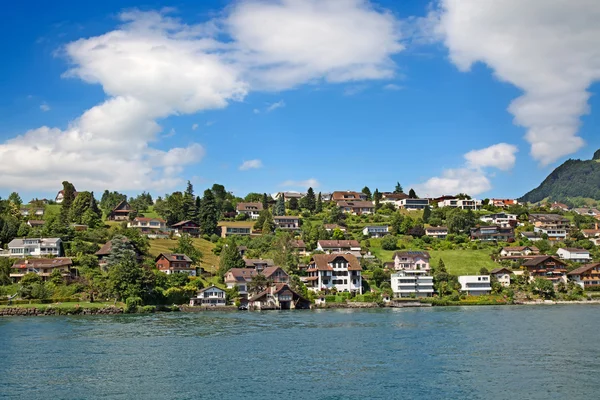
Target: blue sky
(295,110)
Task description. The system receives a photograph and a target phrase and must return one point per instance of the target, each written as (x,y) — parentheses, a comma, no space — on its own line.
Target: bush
(132,304)
(147,309)
(330,298)
(214,238)
(389,242)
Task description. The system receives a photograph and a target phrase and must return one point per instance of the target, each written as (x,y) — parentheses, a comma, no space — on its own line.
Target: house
(574,254)
(492,234)
(235,228)
(339,271)
(559,207)
(519,252)
(26,211)
(287,196)
(502,275)
(348,196)
(463,204)
(106,249)
(171,263)
(392,198)
(501,219)
(412,204)
(240,277)
(43,267)
(503,203)
(287,222)
(36,223)
(210,296)
(332,227)
(258,264)
(252,210)
(475,285)
(276,274)
(593,235)
(299,246)
(186,228)
(546,267)
(278,297)
(120,212)
(553,225)
(338,246)
(356,207)
(587,276)
(437,232)
(588,212)
(152,227)
(411,260)
(531,236)
(60,196)
(375,231)
(35,247)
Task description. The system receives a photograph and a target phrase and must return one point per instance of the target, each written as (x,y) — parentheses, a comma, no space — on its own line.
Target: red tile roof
(331,244)
(321,262)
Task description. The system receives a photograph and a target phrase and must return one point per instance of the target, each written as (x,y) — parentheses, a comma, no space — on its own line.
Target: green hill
(575,178)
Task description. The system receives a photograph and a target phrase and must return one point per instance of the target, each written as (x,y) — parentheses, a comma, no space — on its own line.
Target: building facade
(475,285)
(35,247)
(339,271)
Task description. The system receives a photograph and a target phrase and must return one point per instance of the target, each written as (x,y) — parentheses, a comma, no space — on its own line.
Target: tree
(319,205)
(209,217)
(255,198)
(543,287)
(268,225)
(121,249)
(189,211)
(230,258)
(389,242)
(398,188)
(258,283)
(110,200)
(5,267)
(83,202)
(279,208)
(338,234)
(336,215)
(68,198)
(185,245)
(459,221)
(426,214)
(367,192)
(125,278)
(293,203)
(265,200)
(484,271)
(377,199)
(380,276)
(412,194)
(311,201)
(15,199)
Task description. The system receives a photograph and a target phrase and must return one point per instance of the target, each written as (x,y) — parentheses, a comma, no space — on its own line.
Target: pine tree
(426,214)
(412,194)
(68,198)
(319,205)
(398,188)
(265,201)
(279,208)
(293,204)
(367,192)
(209,217)
(377,199)
(190,211)
(121,250)
(311,202)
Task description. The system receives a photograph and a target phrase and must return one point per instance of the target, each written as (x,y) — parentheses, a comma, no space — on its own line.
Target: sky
(444,97)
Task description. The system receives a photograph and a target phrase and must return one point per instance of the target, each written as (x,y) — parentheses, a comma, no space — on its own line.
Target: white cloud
(210,123)
(194,127)
(549,49)
(44,107)
(251,164)
(171,133)
(501,156)
(256,111)
(393,86)
(313,183)
(275,106)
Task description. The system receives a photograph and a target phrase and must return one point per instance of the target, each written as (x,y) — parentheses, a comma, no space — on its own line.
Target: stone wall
(22,311)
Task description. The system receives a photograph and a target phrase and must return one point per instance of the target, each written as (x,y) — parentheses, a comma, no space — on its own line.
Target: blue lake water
(521,352)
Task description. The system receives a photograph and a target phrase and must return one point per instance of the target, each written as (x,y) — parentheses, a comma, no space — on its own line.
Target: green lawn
(210,262)
(51,209)
(151,213)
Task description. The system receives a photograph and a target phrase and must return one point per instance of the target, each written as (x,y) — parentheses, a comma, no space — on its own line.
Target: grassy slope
(209,260)
(151,213)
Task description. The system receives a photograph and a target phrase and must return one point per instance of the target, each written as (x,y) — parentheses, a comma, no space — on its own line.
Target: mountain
(575,178)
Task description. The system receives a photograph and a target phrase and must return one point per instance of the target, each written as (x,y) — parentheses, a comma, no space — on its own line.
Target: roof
(394,196)
(338,243)
(499,270)
(210,287)
(20,242)
(321,261)
(375,226)
(173,257)
(583,269)
(339,194)
(122,203)
(548,217)
(534,262)
(411,253)
(436,228)
(107,247)
(591,232)
(355,204)
(520,248)
(299,244)
(242,274)
(277,288)
(286,217)
(146,219)
(268,271)
(249,207)
(530,234)
(334,226)
(574,250)
(44,262)
(181,223)
(36,222)
(252,262)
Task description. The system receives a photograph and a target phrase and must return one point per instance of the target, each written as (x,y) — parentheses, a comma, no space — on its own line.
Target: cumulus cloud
(153,66)
(251,164)
(501,156)
(313,183)
(548,49)
(44,107)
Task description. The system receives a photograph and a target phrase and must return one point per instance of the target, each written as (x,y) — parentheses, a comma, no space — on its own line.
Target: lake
(510,352)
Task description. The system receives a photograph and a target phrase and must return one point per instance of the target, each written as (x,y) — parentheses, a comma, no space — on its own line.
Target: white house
(412,204)
(412,278)
(148,225)
(502,219)
(252,210)
(338,246)
(573,254)
(464,204)
(519,251)
(339,271)
(287,222)
(210,296)
(438,232)
(375,231)
(35,247)
(502,275)
(475,285)
(411,260)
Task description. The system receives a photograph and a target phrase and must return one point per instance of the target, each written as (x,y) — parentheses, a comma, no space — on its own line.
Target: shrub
(389,242)
(330,298)
(132,304)
(147,309)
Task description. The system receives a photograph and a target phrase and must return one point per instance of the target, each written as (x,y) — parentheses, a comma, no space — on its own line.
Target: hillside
(574,178)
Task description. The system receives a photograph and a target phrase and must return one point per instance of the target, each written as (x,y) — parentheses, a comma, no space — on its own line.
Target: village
(292,250)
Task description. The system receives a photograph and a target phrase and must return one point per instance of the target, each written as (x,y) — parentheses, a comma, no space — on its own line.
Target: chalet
(170,263)
(412,204)
(492,234)
(501,219)
(186,228)
(121,212)
(43,267)
(375,231)
(593,235)
(278,297)
(106,249)
(287,222)
(463,204)
(587,276)
(502,275)
(587,212)
(559,207)
(547,267)
(152,227)
(240,277)
(348,196)
(235,228)
(411,260)
(35,247)
(332,227)
(299,246)
(252,210)
(553,225)
(338,246)
(211,296)
(438,232)
(356,207)
(36,223)
(519,252)
(475,285)
(339,271)
(60,196)
(574,255)
(258,264)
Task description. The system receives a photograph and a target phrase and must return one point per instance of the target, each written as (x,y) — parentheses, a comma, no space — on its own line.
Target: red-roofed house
(339,271)
(43,267)
(586,276)
(186,227)
(278,297)
(153,227)
(175,264)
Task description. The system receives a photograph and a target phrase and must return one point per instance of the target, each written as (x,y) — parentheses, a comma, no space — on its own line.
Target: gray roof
(20,242)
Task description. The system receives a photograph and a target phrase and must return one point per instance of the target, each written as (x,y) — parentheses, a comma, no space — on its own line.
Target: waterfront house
(502,275)
(210,296)
(252,210)
(475,285)
(278,297)
(347,196)
(171,263)
(411,260)
(501,219)
(412,278)
(574,254)
(120,212)
(35,247)
(547,267)
(287,222)
(492,234)
(339,271)
(587,276)
(186,227)
(356,207)
(375,231)
(43,267)
(339,246)
(240,277)
(437,232)
(412,204)
(553,225)
(463,204)
(151,227)
(235,228)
